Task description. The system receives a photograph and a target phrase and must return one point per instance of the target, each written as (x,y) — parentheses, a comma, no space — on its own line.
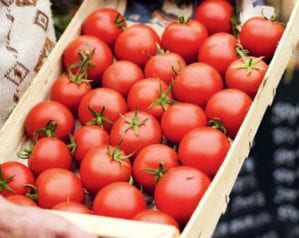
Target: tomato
(151,95)
(156,216)
(266,32)
(151,163)
(103,165)
(58,185)
(165,66)
(135,130)
(180,118)
(119,199)
(14,176)
(72,206)
(137,44)
(82,47)
(22,200)
(184,37)
(69,91)
(49,152)
(196,83)
(230,106)
(121,75)
(246,74)
(105,23)
(179,191)
(101,106)
(87,137)
(204,148)
(215,15)
(218,50)
(49,113)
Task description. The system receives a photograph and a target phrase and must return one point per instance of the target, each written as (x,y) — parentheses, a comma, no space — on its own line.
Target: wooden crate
(216,198)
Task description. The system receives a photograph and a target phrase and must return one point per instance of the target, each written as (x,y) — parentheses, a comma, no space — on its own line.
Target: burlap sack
(26,38)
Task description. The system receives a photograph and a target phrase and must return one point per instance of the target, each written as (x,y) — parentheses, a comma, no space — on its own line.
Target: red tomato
(266,32)
(137,44)
(184,38)
(156,216)
(71,206)
(21,200)
(230,106)
(87,137)
(180,118)
(85,44)
(246,74)
(121,75)
(46,111)
(151,95)
(101,106)
(135,130)
(165,66)
(49,152)
(103,165)
(58,185)
(151,163)
(13,178)
(218,50)
(119,199)
(204,148)
(105,23)
(215,15)
(69,92)
(196,83)
(179,191)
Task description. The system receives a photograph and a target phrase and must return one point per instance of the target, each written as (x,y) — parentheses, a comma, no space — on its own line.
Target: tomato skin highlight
(204,148)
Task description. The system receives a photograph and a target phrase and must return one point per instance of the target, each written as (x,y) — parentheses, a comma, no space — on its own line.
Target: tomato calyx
(217,124)
(118,155)
(158,173)
(5,181)
(163,98)
(120,22)
(134,123)
(32,191)
(72,145)
(183,19)
(48,130)
(98,117)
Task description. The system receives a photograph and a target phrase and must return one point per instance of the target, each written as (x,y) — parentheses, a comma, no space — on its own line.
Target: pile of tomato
(139,123)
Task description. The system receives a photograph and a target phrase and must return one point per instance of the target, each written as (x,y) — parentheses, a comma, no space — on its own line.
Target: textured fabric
(26,38)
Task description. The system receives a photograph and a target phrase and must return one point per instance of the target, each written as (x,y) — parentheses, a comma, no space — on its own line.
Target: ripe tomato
(215,15)
(58,185)
(49,152)
(121,75)
(22,200)
(87,137)
(156,216)
(246,74)
(135,130)
(105,23)
(179,191)
(13,178)
(119,199)
(103,165)
(47,111)
(180,118)
(184,38)
(204,148)
(101,106)
(218,50)
(151,163)
(82,47)
(72,206)
(151,95)
(137,44)
(196,83)
(230,106)
(266,32)
(165,66)
(69,91)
